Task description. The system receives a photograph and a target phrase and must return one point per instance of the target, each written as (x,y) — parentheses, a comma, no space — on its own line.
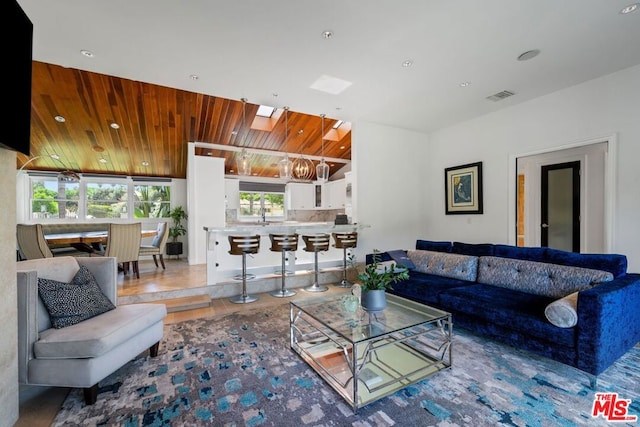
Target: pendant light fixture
(243,160)
(322,169)
(303,168)
(285,166)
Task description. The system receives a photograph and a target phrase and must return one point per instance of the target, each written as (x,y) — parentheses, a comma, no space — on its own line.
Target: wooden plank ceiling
(154,125)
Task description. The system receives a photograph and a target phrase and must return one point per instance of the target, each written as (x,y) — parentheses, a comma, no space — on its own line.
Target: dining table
(86,241)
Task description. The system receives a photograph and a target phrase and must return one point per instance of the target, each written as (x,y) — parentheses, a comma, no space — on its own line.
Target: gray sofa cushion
(98,335)
(71,303)
(455,266)
(538,278)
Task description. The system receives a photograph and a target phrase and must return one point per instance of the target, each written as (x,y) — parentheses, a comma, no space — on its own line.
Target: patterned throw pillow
(71,303)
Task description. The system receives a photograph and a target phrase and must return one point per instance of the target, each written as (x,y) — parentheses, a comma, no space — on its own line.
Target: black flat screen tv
(17,31)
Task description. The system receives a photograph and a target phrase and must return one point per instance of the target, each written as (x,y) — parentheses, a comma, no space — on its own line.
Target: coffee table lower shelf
(381,366)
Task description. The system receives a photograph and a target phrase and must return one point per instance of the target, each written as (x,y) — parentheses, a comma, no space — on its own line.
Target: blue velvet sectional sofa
(582,310)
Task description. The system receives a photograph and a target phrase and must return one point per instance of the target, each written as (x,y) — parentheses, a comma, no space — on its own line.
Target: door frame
(576,167)
(610,185)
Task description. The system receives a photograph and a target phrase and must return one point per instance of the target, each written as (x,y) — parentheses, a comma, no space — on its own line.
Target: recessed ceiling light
(87,53)
(407,63)
(230,170)
(465,84)
(54,156)
(145,163)
(301,131)
(631,8)
(115,125)
(342,147)
(193,76)
(528,55)
(327,34)
(102,160)
(60,119)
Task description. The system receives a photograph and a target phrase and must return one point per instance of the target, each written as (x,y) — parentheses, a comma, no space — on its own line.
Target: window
(258,198)
(253,205)
(106,200)
(52,199)
(151,200)
(98,197)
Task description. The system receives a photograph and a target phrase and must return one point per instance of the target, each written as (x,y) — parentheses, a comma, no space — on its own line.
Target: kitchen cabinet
(335,194)
(300,196)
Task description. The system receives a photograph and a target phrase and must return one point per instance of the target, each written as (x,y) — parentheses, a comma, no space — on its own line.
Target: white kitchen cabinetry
(335,194)
(232,193)
(300,196)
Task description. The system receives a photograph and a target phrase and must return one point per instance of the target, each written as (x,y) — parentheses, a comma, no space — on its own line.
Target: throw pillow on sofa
(71,303)
(563,312)
(455,266)
(539,278)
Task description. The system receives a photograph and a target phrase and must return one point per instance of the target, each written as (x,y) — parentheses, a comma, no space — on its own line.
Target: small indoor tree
(176,230)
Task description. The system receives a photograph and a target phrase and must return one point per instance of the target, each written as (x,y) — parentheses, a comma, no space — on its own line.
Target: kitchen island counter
(221,266)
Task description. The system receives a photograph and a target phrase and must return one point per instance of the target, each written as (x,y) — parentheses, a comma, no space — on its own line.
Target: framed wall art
(463,189)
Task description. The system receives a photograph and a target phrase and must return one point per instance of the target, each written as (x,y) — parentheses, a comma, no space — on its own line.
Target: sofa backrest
(615,264)
(455,266)
(61,269)
(538,278)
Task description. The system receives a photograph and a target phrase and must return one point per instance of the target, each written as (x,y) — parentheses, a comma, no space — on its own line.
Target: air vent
(500,95)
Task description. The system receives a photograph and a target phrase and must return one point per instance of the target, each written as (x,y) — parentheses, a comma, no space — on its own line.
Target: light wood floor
(39,405)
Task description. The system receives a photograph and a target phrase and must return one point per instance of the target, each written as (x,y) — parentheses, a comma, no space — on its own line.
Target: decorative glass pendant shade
(285,166)
(243,163)
(243,160)
(322,169)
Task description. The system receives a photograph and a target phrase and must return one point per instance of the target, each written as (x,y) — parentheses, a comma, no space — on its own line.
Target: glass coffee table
(366,356)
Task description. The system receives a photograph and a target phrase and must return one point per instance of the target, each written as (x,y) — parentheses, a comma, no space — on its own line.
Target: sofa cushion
(563,312)
(462,267)
(98,335)
(538,278)
(521,252)
(71,303)
(426,288)
(515,311)
(613,263)
(431,245)
(474,249)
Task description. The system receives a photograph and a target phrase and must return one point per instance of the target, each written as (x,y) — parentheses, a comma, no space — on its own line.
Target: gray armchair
(83,354)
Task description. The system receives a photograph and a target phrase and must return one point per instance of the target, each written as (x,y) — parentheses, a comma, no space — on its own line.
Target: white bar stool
(345,241)
(282,243)
(243,245)
(316,243)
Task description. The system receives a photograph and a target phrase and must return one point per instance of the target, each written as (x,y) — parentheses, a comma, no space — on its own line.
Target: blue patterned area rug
(238,370)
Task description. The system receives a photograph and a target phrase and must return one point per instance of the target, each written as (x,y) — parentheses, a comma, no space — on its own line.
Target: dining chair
(31,242)
(124,244)
(156,248)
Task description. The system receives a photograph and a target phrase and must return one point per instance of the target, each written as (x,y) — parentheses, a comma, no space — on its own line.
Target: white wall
(8,302)
(205,201)
(605,106)
(389,188)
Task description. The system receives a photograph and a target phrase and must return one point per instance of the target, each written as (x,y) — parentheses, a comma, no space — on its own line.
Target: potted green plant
(376,279)
(177,215)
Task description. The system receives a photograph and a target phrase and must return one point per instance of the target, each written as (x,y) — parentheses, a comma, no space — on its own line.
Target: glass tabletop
(361,325)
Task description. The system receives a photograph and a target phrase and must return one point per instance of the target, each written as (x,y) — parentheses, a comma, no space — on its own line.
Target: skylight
(265,111)
(337,125)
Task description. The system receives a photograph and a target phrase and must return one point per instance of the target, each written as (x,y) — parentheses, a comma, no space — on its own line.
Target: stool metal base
(250,276)
(282,293)
(243,299)
(316,288)
(344,284)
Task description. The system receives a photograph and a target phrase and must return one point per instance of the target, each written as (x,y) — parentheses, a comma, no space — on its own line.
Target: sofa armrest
(27,282)
(105,271)
(608,322)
